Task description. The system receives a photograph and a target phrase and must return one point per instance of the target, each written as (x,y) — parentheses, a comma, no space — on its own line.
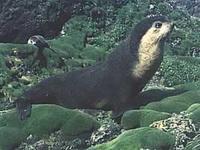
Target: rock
(141,118)
(44,120)
(21,19)
(109,128)
(181,126)
(194,144)
(25,79)
(141,138)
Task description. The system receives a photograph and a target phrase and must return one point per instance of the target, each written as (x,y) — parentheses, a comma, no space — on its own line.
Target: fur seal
(41,44)
(112,84)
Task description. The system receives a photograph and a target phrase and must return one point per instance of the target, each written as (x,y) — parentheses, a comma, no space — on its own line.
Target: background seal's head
(38,41)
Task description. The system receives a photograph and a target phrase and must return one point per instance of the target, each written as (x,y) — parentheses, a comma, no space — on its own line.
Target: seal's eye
(158,25)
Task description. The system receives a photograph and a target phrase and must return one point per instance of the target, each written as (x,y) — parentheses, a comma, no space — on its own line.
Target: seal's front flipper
(117,115)
(23,109)
(119,110)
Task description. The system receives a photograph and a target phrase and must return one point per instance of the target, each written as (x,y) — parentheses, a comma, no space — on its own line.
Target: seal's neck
(150,53)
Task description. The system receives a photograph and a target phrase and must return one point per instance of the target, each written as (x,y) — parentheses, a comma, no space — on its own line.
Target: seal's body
(111,85)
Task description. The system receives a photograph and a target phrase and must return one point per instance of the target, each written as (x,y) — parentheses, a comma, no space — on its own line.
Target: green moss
(180,70)
(141,138)
(63,47)
(157,94)
(93,53)
(188,86)
(141,118)
(165,8)
(10,138)
(46,119)
(175,104)
(5,48)
(79,124)
(194,112)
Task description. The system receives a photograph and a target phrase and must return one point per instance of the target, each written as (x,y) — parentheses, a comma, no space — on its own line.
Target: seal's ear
(23,108)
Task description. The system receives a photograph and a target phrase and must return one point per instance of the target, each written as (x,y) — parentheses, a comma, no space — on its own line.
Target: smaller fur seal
(41,43)
(110,85)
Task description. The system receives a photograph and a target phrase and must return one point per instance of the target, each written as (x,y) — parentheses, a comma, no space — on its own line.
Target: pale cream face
(158,30)
(149,48)
(30,41)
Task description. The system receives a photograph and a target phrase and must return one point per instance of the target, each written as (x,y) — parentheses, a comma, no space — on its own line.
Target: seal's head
(153,28)
(159,29)
(39,41)
(147,44)
(32,41)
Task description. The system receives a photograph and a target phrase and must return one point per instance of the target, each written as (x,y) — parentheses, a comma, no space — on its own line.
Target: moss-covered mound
(194,112)
(44,120)
(175,104)
(141,118)
(141,138)
(160,103)
(188,86)
(153,94)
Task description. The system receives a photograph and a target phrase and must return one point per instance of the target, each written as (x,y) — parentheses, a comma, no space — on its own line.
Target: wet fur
(111,85)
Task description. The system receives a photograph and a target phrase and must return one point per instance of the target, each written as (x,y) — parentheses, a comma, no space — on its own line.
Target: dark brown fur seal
(111,85)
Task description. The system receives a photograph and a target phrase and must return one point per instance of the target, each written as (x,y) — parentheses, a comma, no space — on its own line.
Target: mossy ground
(17,75)
(194,112)
(141,118)
(175,104)
(44,120)
(141,138)
(176,110)
(179,70)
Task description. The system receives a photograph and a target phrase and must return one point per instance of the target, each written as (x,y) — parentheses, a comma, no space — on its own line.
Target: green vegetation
(141,138)
(76,51)
(188,86)
(162,103)
(194,112)
(141,118)
(175,104)
(44,120)
(84,43)
(179,70)
(10,138)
